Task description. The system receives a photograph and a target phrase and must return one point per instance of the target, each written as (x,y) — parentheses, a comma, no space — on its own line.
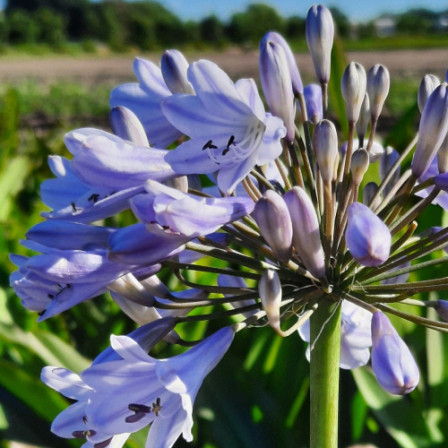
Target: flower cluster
(269,203)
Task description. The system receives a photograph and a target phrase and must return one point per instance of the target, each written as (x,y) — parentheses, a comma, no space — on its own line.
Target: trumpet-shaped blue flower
(126,389)
(229,129)
(73,422)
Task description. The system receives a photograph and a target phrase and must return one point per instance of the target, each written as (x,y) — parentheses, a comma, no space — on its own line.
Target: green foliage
(211,30)
(51,27)
(251,25)
(416,21)
(21,28)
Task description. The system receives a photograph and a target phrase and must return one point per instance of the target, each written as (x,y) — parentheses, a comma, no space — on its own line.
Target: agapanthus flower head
(263,203)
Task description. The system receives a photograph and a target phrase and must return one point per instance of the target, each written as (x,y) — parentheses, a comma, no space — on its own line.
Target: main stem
(324,372)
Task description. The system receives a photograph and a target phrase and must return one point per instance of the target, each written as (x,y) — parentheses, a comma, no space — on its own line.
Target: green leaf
(336,101)
(41,399)
(11,182)
(401,419)
(48,347)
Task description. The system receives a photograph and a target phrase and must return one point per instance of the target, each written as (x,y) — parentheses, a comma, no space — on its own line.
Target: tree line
(148,25)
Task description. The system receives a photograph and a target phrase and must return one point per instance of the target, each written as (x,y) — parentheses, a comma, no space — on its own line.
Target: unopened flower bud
(126,125)
(364,118)
(427,86)
(297,85)
(306,236)
(432,130)
(325,143)
(392,362)
(174,71)
(272,217)
(359,165)
(369,193)
(319,38)
(378,84)
(441,306)
(387,161)
(270,290)
(353,85)
(313,100)
(277,85)
(368,238)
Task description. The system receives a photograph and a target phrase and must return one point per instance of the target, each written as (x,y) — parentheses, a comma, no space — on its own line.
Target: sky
(357,10)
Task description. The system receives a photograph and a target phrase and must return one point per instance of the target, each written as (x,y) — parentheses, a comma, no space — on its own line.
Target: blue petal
(104,160)
(136,245)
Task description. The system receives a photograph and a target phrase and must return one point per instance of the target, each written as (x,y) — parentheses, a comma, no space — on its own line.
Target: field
(73,91)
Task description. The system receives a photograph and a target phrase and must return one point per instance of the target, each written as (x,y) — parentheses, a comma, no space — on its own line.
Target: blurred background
(59,59)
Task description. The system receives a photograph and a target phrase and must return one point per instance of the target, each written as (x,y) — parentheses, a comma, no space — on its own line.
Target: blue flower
(229,129)
(125,389)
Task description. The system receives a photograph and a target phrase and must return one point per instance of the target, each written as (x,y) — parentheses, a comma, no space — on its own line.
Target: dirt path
(237,63)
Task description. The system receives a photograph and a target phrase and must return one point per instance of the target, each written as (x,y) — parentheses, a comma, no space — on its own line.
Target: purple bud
(427,86)
(368,238)
(306,236)
(432,130)
(272,216)
(392,362)
(313,101)
(378,84)
(441,306)
(359,165)
(319,38)
(325,143)
(353,85)
(277,85)
(387,160)
(297,85)
(369,193)
(126,125)
(270,290)
(174,71)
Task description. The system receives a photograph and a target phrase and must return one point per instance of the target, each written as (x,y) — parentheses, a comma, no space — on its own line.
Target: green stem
(324,373)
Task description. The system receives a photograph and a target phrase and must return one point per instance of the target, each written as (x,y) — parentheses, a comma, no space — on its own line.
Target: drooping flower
(73,422)
(126,390)
(392,362)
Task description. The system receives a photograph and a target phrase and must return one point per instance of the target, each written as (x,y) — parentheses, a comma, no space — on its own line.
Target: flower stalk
(324,374)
